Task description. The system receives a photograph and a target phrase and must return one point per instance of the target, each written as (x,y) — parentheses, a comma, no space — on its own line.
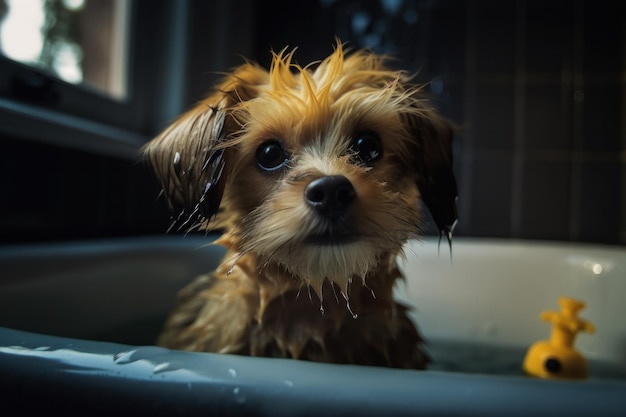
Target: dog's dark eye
(367,147)
(271,156)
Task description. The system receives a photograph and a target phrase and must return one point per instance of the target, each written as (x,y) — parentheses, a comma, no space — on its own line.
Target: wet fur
(275,293)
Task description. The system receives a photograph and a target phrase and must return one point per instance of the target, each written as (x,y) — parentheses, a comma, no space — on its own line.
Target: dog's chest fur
(270,313)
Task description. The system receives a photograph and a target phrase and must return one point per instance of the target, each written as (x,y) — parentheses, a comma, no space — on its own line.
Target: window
(78,41)
(133,68)
(96,75)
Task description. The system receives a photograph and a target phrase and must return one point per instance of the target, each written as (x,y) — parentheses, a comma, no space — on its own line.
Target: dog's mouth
(331,238)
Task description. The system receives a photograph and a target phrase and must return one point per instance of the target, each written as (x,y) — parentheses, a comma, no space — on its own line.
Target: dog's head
(318,168)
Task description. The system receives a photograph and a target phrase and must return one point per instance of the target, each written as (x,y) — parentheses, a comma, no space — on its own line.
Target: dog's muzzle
(330,196)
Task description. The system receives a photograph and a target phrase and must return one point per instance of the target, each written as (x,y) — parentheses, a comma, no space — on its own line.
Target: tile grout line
(467,168)
(578,85)
(519,131)
(622,231)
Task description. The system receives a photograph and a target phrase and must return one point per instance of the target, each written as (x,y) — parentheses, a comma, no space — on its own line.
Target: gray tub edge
(42,373)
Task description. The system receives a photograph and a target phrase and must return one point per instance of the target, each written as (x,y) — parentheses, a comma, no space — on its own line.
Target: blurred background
(538,88)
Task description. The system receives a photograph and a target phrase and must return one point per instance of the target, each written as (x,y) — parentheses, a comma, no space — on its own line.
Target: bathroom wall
(70,164)
(537,88)
(53,193)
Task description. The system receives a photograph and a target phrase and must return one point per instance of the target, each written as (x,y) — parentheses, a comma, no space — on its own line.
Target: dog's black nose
(330,196)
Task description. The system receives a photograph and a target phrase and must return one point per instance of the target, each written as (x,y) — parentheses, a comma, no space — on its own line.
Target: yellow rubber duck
(557,358)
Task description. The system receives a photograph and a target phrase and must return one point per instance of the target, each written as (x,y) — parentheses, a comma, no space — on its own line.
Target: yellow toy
(557,358)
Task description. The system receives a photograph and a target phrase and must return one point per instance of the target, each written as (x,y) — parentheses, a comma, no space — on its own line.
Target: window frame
(36,105)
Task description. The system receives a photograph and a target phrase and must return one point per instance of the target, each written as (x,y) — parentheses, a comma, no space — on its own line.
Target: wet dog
(315,176)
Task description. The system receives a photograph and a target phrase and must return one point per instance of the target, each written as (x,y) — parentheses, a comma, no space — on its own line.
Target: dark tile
(303,24)
(547,120)
(600,205)
(602,117)
(495,37)
(490,197)
(447,43)
(147,208)
(546,199)
(492,7)
(54,193)
(549,36)
(603,31)
(114,176)
(449,99)
(31,177)
(80,192)
(493,122)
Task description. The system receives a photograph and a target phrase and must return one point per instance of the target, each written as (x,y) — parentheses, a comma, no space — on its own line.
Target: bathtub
(78,321)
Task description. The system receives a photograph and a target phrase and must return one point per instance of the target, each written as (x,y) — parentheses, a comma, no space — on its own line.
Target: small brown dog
(315,175)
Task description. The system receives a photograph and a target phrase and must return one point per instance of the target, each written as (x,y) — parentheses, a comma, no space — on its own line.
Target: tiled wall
(561,125)
(537,86)
(54,193)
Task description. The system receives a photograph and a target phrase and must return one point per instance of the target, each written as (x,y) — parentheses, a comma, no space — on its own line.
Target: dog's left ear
(189,157)
(188,162)
(436,180)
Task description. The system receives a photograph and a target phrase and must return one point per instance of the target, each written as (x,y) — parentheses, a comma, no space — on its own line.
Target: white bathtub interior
(488,298)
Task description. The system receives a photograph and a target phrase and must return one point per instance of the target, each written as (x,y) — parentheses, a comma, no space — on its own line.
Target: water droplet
(123,357)
(42,348)
(176,158)
(289,383)
(308,287)
(354,315)
(373,293)
(240,397)
(146,352)
(448,236)
(162,367)
(232,373)
(333,285)
(18,347)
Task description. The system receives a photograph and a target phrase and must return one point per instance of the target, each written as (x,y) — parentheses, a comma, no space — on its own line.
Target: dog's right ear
(436,180)
(189,157)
